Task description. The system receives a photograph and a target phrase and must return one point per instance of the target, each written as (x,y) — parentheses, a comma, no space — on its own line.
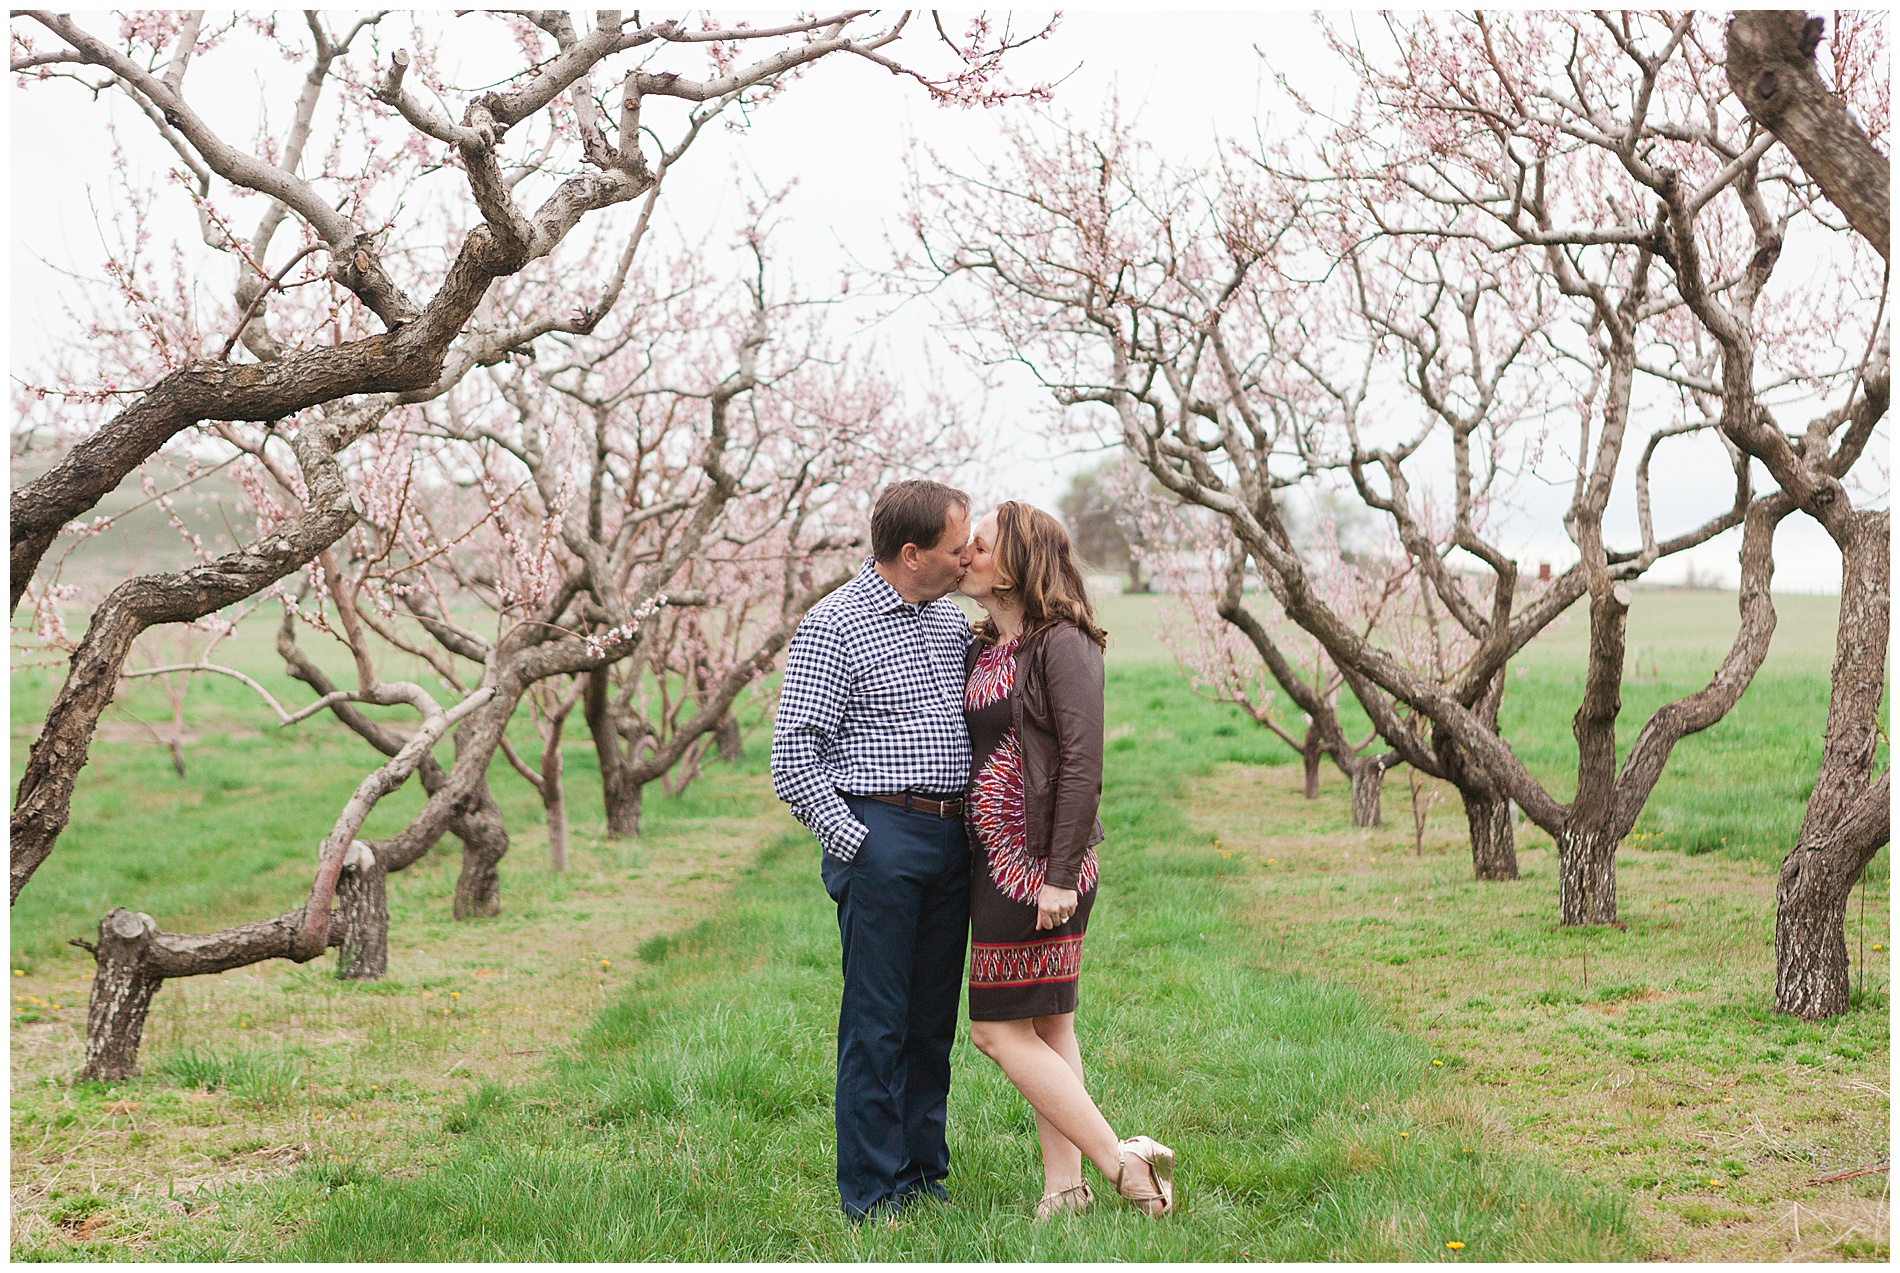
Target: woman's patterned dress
(1016,971)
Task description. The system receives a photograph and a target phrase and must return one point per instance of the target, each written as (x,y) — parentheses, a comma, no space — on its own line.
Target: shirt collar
(878,592)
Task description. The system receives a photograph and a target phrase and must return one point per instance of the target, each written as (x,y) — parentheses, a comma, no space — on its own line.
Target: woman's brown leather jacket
(1057,713)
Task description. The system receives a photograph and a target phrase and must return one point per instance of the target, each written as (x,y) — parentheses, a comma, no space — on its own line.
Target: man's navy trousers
(904,921)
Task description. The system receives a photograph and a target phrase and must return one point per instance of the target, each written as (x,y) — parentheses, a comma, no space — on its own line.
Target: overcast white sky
(842,133)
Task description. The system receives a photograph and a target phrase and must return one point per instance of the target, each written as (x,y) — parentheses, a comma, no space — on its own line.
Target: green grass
(1646,1056)
(255,1078)
(693,1120)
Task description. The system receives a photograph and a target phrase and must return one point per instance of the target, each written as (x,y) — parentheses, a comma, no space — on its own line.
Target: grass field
(532,1102)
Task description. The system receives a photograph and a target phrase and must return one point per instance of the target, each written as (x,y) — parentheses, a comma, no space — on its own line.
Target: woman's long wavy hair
(1036,569)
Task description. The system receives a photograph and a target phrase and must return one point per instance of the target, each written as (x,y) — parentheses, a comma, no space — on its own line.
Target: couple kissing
(952,776)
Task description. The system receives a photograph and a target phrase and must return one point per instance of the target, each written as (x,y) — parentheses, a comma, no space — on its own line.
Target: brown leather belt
(937,808)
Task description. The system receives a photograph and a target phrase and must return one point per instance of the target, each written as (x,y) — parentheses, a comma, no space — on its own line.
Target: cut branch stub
(122,990)
(362,902)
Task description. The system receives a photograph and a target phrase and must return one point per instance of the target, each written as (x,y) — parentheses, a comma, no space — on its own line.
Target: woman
(1033,701)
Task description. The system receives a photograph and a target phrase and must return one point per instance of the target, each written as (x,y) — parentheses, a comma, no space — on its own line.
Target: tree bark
(729,740)
(1812,971)
(484,843)
(1848,818)
(1488,819)
(619,791)
(1493,837)
(1771,69)
(122,990)
(362,898)
(1368,784)
(1310,756)
(1586,872)
(554,795)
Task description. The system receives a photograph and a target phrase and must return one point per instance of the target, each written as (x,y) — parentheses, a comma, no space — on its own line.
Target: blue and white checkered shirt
(872,704)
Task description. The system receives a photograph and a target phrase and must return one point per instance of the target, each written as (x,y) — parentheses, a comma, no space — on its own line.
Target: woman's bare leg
(1052,1084)
(1061,1160)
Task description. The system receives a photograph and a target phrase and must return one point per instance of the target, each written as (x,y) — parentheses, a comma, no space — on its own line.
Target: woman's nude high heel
(1153,1196)
(1075,1198)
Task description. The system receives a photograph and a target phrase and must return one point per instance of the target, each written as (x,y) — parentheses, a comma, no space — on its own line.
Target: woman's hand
(1054,906)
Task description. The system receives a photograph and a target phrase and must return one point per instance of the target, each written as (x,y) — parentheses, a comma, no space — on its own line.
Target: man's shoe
(932,1192)
(885,1210)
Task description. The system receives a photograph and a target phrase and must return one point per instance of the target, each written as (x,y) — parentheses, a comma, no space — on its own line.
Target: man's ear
(911,556)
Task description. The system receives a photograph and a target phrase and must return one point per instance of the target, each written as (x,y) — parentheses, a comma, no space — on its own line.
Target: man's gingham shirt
(872,704)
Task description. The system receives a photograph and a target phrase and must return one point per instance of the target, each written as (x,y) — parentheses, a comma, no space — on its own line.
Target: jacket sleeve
(1073,676)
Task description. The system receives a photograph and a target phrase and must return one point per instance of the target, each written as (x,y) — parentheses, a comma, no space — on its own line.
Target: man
(870,751)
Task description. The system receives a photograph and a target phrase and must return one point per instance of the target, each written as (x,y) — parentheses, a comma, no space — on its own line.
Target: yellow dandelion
(1404,1135)
(21,972)
(1714,1183)
(1437,1062)
(1876,947)
(242,1025)
(455,994)
(605,965)
(1454,1246)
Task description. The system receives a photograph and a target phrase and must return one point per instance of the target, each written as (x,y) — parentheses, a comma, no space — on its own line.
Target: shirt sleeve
(810,706)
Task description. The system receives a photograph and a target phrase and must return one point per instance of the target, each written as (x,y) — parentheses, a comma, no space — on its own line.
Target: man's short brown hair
(912,512)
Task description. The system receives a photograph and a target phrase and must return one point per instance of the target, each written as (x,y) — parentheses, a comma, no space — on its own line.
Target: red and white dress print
(995,811)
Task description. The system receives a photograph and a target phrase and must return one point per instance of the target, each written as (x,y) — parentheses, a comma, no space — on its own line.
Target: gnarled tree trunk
(1310,757)
(1586,872)
(1487,809)
(1493,837)
(478,825)
(1586,848)
(620,791)
(1812,972)
(1848,818)
(484,843)
(729,740)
